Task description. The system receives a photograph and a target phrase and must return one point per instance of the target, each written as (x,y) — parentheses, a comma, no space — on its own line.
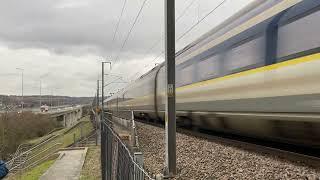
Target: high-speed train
(256,74)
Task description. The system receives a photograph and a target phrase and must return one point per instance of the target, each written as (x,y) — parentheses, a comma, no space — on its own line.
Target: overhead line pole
(97,93)
(22,96)
(102,86)
(170,116)
(104,144)
(40,100)
(102,137)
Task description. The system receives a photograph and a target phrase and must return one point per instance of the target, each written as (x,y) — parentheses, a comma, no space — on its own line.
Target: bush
(17,128)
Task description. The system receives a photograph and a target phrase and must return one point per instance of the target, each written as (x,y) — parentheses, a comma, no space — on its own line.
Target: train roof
(252,10)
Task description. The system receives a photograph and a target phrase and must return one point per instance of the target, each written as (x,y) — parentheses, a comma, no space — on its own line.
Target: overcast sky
(63,42)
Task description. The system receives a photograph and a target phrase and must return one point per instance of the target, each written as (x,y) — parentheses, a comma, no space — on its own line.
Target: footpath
(68,166)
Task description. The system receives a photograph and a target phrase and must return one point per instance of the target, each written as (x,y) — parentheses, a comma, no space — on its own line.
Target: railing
(30,150)
(19,155)
(35,159)
(117,161)
(23,160)
(16,154)
(87,139)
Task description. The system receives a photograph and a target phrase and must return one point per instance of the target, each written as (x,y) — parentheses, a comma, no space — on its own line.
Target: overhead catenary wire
(176,21)
(184,11)
(118,24)
(131,28)
(186,32)
(192,27)
(198,22)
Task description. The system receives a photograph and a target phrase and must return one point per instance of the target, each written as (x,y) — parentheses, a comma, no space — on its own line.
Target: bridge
(68,116)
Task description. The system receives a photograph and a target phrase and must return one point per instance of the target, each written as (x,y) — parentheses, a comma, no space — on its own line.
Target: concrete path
(68,166)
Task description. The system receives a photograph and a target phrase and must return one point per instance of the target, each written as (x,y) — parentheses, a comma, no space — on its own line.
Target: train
(256,75)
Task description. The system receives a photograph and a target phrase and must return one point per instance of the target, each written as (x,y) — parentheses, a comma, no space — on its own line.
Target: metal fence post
(109,143)
(103,150)
(133,131)
(138,158)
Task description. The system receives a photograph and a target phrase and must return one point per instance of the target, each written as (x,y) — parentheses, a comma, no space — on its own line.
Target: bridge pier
(68,117)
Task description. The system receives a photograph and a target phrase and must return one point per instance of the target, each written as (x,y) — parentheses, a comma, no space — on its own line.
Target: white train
(255,75)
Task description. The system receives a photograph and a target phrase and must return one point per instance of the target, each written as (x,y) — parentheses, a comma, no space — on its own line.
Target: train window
(208,68)
(299,36)
(162,79)
(185,75)
(245,56)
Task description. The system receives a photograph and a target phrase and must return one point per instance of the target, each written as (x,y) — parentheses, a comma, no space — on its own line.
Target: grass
(66,138)
(36,172)
(40,139)
(67,135)
(91,169)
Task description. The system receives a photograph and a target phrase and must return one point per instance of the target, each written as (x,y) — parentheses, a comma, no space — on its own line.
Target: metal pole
(22,103)
(102,89)
(22,74)
(170,117)
(40,95)
(98,93)
(102,86)
(106,174)
(51,99)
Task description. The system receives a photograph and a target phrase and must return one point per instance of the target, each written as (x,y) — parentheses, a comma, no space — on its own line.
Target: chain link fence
(117,161)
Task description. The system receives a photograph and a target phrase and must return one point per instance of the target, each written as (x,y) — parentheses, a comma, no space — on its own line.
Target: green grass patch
(36,172)
(91,169)
(85,129)
(41,139)
(65,138)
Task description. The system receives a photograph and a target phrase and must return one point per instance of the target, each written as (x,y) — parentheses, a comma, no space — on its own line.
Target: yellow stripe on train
(254,71)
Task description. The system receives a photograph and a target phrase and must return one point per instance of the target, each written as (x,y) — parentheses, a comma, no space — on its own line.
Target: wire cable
(192,27)
(132,26)
(176,21)
(118,24)
(198,22)
(185,10)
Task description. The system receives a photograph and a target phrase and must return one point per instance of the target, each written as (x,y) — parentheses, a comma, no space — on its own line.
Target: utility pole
(40,100)
(22,103)
(98,93)
(170,116)
(104,144)
(102,86)
(51,99)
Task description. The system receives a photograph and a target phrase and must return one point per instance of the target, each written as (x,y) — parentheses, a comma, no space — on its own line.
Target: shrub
(17,128)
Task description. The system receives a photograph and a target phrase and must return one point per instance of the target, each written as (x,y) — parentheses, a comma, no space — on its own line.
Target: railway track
(294,153)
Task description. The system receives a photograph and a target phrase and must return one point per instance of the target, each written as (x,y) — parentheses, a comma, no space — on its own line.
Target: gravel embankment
(199,158)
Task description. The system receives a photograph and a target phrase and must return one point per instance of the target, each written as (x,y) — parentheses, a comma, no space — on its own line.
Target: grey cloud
(77,30)
(70,38)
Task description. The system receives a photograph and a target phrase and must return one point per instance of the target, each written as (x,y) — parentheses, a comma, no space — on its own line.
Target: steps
(87,141)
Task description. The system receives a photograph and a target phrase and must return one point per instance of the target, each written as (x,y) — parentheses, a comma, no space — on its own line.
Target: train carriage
(255,75)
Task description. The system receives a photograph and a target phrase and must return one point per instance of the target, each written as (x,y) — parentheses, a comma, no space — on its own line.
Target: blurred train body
(257,74)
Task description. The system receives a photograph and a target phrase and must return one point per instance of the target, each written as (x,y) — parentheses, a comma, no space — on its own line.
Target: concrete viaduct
(67,117)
